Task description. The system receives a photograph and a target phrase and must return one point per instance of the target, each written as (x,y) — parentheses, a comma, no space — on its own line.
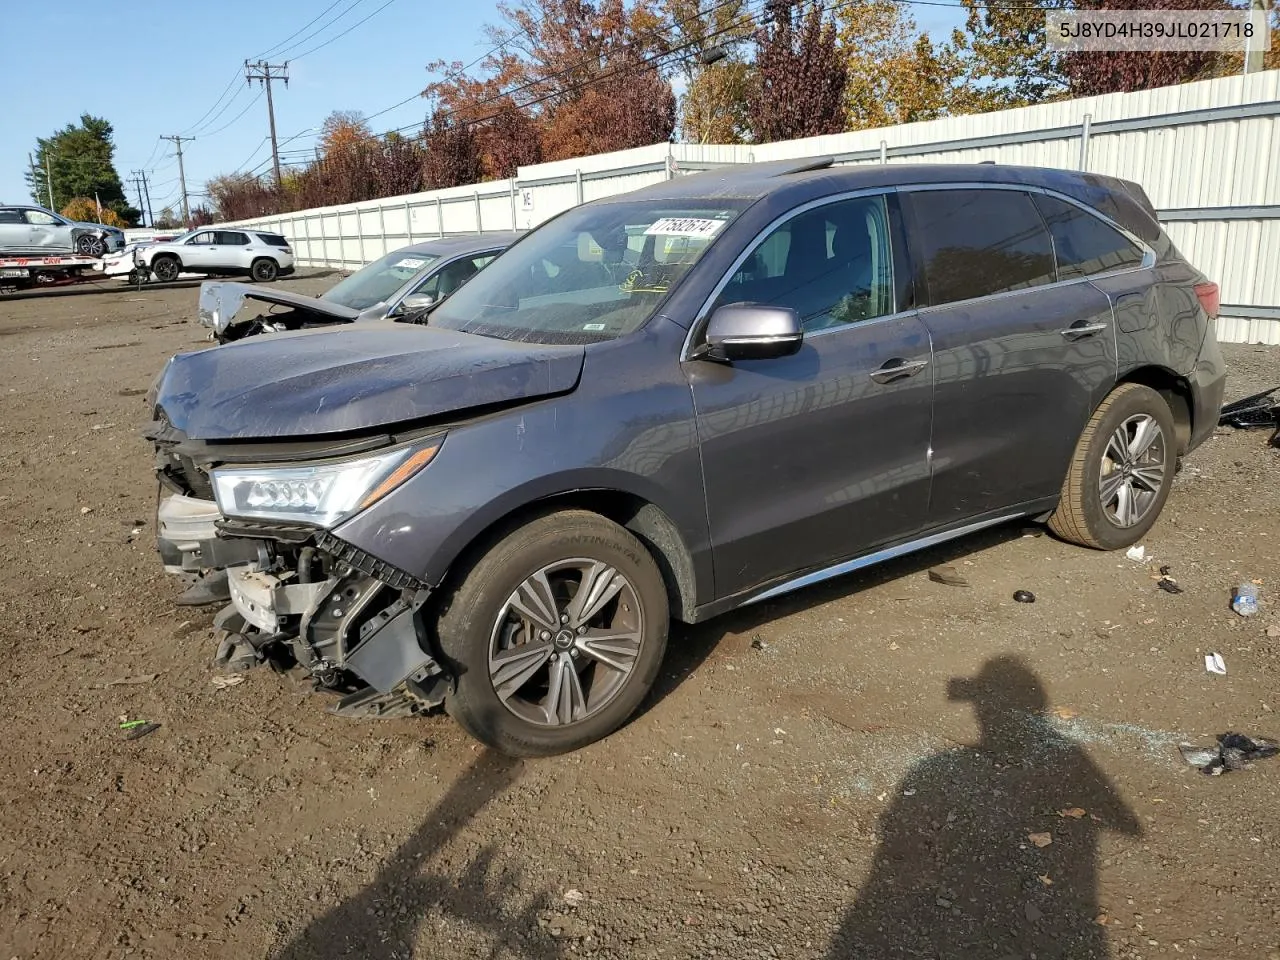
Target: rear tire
(264,270)
(1121,472)
(534,677)
(166,269)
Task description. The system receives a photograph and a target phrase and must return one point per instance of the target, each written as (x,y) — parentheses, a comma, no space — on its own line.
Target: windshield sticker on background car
(685,227)
(593,326)
(411,263)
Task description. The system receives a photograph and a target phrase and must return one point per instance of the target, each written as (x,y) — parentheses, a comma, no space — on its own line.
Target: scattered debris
(757,643)
(575,898)
(1234,751)
(1214,663)
(1074,813)
(85,511)
(1138,553)
(1040,839)
(1024,596)
(224,680)
(1045,879)
(137,729)
(1165,570)
(1168,585)
(949,575)
(131,681)
(1245,600)
(1259,410)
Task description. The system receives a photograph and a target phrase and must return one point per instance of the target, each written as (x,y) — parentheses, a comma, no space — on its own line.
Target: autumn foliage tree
(452,155)
(801,74)
(1094,72)
(717,76)
(85,210)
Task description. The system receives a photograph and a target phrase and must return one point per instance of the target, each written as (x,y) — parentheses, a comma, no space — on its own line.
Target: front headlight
(323,493)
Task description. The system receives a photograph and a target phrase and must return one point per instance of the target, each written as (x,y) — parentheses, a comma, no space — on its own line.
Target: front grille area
(355,557)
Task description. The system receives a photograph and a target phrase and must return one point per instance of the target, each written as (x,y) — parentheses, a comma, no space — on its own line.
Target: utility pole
(48,180)
(264,73)
(146,190)
(1253,46)
(182,176)
(138,177)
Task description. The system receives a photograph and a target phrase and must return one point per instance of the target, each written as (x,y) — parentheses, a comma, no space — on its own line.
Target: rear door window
(974,243)
(1085,246)
(9,215)
(232,238)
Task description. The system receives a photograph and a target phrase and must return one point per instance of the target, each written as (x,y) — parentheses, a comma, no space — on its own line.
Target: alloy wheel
(91,246)
(565,642)
(1132,471)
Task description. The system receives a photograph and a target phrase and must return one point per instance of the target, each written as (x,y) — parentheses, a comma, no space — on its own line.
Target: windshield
(377,281)
(595,273)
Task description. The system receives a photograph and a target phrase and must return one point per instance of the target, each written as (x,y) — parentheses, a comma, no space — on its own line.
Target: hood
(220,302)
(343,380)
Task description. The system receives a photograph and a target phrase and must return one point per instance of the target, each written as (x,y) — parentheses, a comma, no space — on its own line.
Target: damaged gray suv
(672,403)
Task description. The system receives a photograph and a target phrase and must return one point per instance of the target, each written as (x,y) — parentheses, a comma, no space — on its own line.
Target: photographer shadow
(990,851)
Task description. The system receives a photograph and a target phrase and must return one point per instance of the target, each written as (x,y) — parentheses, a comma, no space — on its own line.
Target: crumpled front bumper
(319,597)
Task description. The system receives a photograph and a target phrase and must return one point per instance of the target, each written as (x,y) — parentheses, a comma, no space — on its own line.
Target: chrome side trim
(888,553)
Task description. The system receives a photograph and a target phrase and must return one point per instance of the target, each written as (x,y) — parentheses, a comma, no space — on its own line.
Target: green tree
(1003,56)
(80,161)
(717,76)
(896,75)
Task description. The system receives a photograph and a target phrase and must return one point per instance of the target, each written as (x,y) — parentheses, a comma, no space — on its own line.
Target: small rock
(1040,839)
(574,898)
(944,903)
(1033,913)
(1075,813)
(1273,631)
(85,510)
(949,575)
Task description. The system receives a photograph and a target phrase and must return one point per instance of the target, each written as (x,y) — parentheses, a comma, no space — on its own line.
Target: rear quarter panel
(1159,320)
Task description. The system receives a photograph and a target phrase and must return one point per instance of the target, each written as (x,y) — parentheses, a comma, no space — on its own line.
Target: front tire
(88,245)
(1121,472)
(165,269)
(264,270)
(556,634)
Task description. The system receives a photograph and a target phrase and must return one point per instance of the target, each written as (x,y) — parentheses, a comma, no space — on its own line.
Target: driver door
(818,457)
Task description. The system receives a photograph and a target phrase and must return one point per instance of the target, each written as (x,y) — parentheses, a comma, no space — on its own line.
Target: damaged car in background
(672,403)
(398,286)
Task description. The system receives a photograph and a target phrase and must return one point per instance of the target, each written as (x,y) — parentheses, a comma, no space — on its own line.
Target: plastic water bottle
(1245,602)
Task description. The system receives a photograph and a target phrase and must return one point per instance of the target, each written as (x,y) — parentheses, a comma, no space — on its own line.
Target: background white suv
(220,251)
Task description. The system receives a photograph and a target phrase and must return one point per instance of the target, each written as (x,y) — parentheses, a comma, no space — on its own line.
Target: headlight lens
(323,494)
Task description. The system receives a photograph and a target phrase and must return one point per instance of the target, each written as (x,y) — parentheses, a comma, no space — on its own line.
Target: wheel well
(648,522)
(166,256)
(1176,392)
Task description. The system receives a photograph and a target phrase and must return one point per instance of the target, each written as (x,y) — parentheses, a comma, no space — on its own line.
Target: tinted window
(833,265)
(1084,245)
(978,242)
(274,239)
(231,238)
(11,216)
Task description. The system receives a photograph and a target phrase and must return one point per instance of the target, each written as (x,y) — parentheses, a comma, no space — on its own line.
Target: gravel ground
(879,767)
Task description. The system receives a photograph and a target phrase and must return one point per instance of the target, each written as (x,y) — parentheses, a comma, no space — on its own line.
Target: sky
(153,68)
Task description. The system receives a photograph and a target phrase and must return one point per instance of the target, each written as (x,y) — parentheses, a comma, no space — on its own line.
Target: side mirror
(415,303)
(749,331)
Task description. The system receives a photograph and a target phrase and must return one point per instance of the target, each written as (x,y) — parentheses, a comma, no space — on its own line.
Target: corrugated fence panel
(1207,153)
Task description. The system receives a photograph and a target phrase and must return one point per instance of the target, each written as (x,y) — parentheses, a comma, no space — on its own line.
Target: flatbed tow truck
(19,271)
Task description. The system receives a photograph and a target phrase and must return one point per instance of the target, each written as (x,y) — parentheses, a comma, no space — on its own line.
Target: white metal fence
(1208,155)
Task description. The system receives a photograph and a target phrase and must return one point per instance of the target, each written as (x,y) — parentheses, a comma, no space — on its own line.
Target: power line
(344,32)
(247,108)
(319,30)
(225,91)
(202,129)
(271,50)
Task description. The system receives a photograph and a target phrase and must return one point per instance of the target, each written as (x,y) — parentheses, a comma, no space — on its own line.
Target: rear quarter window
(274,239)
(974,243)
(1083,245)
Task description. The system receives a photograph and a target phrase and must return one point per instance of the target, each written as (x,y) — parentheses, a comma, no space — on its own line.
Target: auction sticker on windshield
(411,263)
(685,227)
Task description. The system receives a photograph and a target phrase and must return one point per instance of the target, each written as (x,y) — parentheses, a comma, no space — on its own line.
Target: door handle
(897,369)
(1080,330)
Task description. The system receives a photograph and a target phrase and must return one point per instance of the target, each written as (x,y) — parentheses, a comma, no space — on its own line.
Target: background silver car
(31,229)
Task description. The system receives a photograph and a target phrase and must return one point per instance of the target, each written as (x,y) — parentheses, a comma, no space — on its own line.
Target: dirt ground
(867,769)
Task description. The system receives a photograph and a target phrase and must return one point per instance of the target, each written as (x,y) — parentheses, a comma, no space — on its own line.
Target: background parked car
(32,229)
(220,252)
(401,283)
(122,264)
